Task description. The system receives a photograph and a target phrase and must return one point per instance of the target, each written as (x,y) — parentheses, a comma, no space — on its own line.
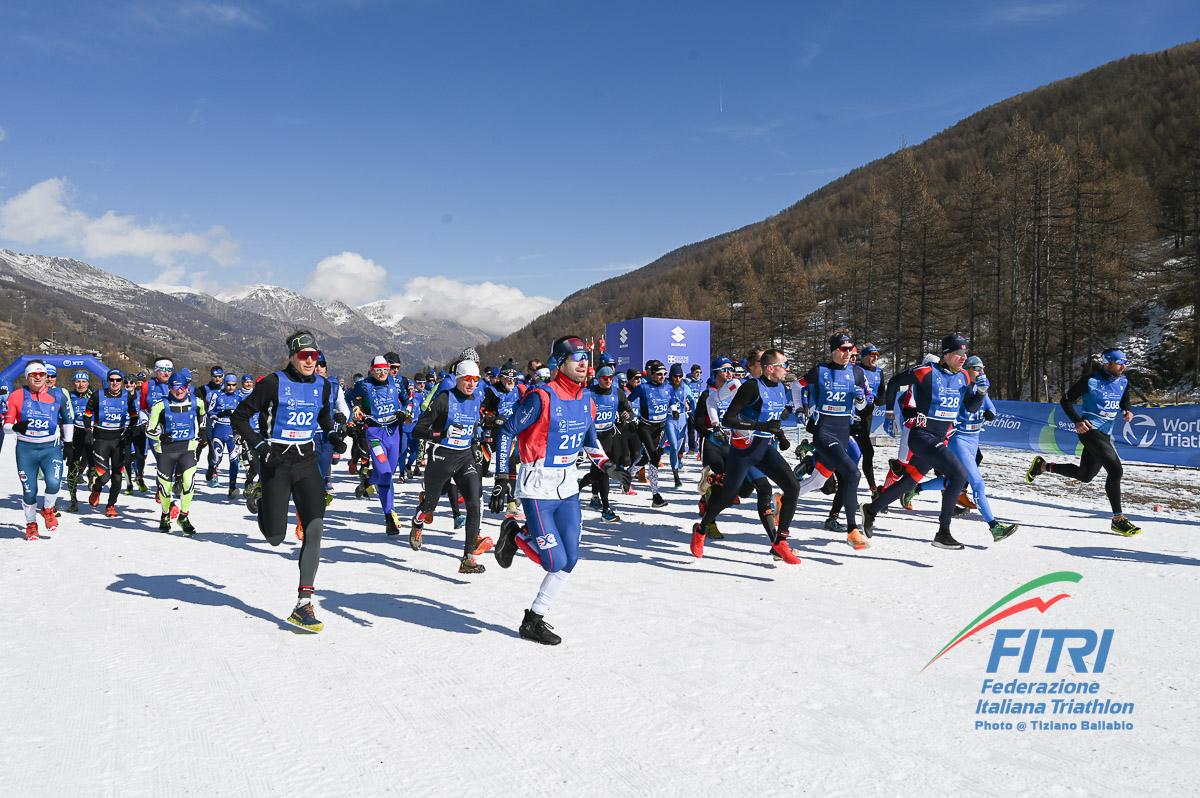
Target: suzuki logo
(624,336)
(677,335)
(1145,426)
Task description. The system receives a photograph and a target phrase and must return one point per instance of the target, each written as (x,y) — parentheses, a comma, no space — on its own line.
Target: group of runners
(544,435)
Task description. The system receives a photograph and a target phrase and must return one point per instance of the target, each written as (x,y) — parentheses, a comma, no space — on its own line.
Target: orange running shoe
(484,545)
(857,540)
(51,519)
(174,511)
(110,511)
(697,541)
(94,497)
(299,531)
(784,551)
(965,501)
(31,531)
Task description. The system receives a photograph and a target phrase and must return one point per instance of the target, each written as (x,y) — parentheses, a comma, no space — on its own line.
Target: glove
(675,414)
(988,415)
(787,413)
(226,413)
(771,426)
(626,417)
(499,494)
(811,425)
(612,472)
(782,440)
(889,425)
(338,441)
(20,427)
(720,434)
(264,453)
(982,384)
(164,438)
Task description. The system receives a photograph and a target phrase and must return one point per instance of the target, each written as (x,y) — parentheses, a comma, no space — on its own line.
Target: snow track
(138,663)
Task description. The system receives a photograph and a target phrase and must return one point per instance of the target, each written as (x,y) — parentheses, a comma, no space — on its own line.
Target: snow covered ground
(141,664)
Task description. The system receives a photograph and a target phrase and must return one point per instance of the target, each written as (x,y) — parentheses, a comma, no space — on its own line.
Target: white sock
(30,512)
(552,583)
(813,481)
(51,500)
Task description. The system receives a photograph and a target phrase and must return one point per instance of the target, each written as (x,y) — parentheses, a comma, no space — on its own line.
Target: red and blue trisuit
(551,425)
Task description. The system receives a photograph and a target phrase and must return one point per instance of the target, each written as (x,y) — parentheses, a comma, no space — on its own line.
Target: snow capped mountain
(243,327)
(68,274)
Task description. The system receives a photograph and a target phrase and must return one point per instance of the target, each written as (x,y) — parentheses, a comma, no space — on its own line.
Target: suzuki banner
(633,342)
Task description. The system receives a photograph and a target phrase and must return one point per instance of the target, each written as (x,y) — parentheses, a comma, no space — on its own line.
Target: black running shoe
(658,501)
(185,524)
(868,525)
(467,565)
(164,523)
(506,542)
(944,540)
(535,629)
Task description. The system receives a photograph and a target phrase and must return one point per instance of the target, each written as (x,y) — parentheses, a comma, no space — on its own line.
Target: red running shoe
(697,541)
(174,511)
(31,531)
(784,551)
(51,519)
(110,511)
(484,545)
(94,497)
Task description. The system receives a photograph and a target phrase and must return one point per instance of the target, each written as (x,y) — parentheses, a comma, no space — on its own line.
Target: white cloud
(349,277)
(494,308)
(42,214)
(1027,13)
(222,14)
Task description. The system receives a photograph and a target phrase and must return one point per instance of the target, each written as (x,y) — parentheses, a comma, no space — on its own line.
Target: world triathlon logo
(1002,609)
(1140,432)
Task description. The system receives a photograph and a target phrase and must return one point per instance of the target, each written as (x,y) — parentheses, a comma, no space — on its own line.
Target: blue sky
(542,145)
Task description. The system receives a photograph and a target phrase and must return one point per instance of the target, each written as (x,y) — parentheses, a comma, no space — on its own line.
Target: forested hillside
(1042,227)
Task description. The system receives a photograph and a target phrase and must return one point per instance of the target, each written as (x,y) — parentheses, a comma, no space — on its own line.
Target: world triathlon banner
(1164,435)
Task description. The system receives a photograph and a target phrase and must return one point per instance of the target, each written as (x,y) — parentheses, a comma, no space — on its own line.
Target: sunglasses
(469,379)
(845,348)
(579,357)
(784,365)
(308,356)
(115,379)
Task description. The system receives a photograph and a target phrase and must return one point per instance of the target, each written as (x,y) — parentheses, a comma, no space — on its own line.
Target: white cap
(164,365)
(380,362)
(544,373)
(931,359)
(35,368)
(467,368)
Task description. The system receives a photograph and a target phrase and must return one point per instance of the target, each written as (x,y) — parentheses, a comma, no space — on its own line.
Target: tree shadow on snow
(1122,555)
(418,610)
(189,589)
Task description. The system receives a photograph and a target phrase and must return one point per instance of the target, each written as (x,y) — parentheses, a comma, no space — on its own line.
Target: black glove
(988,415)
(338,439)
(675,414)
(224,413)
(339,418)
(499,495)
(264,453)
(782,440)
(20,427)
(787,413)
(164,438)
(771,426)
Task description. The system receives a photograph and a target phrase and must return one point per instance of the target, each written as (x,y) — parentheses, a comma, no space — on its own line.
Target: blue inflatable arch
(14,373)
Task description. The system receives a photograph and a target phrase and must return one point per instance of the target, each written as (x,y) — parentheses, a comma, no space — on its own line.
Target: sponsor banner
(14,373)
(682,341)
(1163,435)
